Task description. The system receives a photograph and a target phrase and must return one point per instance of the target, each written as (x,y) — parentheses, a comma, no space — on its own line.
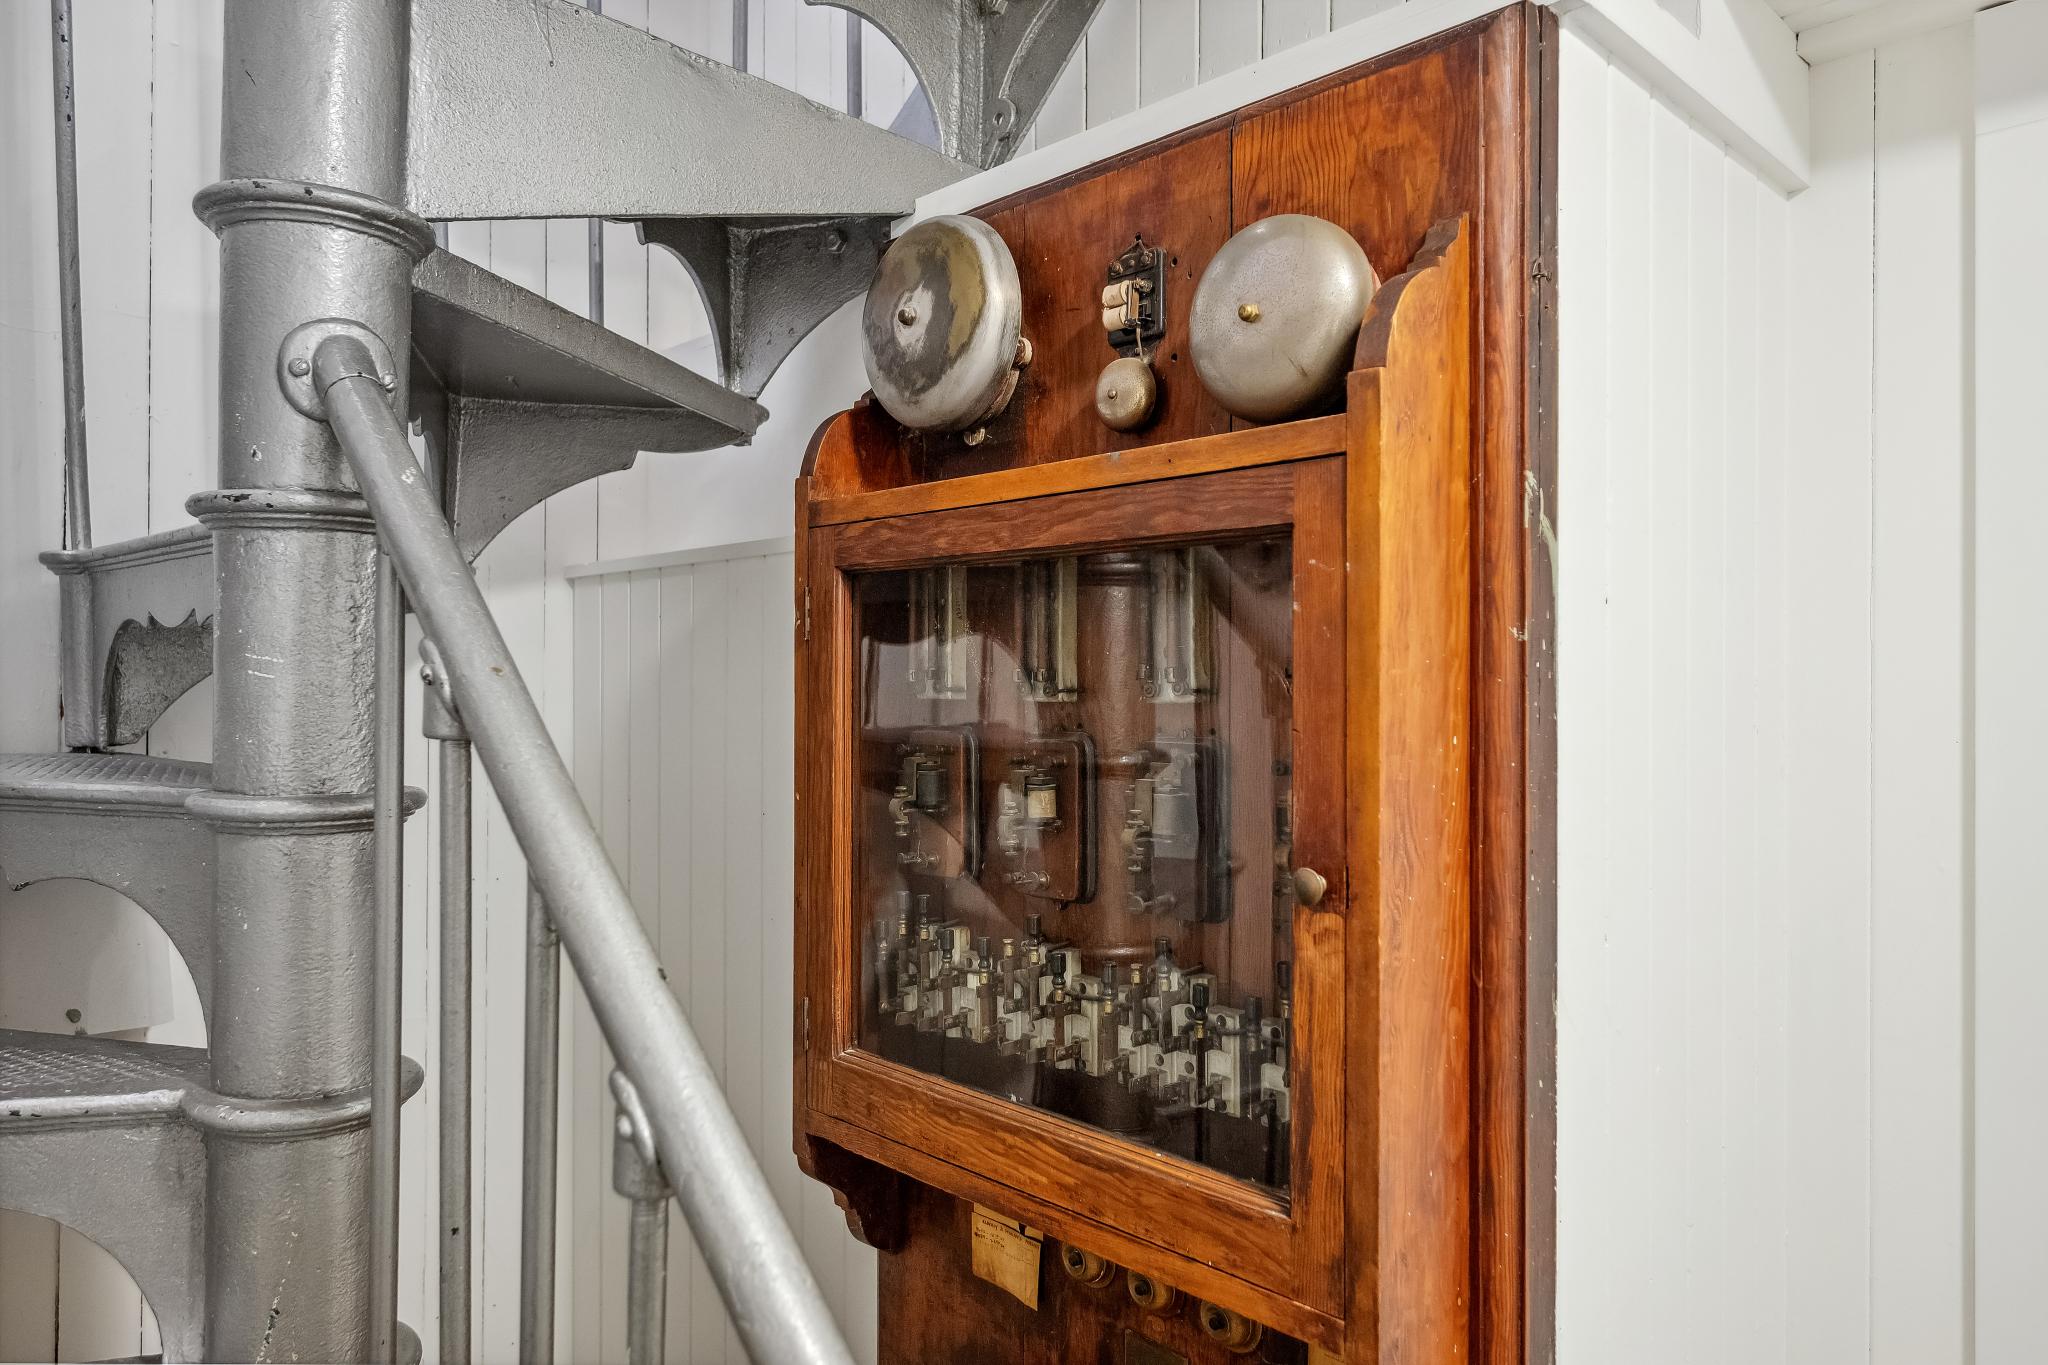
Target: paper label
(1007,1254)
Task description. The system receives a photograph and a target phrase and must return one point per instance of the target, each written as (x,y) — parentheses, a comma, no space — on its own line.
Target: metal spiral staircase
(251,1187)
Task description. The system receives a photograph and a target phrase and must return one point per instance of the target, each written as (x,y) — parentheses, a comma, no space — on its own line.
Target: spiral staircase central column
(311,224)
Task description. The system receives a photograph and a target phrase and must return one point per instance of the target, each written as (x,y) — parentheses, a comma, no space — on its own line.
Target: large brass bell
(1276,316)
(942,331)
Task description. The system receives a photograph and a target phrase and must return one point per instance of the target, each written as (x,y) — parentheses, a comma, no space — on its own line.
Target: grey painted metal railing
(388,835)
(687,1128)
(77,492)
(537,1158)
(443,724)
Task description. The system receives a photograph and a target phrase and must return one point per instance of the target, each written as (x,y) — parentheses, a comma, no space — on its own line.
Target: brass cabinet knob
(1309,886)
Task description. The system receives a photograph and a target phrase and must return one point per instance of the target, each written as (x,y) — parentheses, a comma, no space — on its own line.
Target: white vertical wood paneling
(1828,668)
(885,79)
(1767,1080)
(1672,1127)
(1169,53)
(704,810)
(184,264)
(2008,1253)
(1584,698)
(676,719)
(1918,952)
(1770,1092)
(113,47)
(1707,1015)
(1351,11)
(1112,56)
(1629,616)
(1288,22)
(1229,35)
(583,1091)
(28,1286)
(31,420)
(686,691)
(1669,740)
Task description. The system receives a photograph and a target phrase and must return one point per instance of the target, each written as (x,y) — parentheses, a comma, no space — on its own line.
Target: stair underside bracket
(136,625)
(767,282)
(90,1136)
(140,1192)
(117,820)
(986,65)
(546,109)
(520,398)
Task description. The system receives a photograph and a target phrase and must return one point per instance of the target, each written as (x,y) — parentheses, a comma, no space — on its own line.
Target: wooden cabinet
(1150,800)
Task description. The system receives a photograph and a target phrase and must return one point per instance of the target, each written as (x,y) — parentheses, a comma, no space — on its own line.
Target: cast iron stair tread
(482,336)
(100,780)
(521,398)
(52,1078)
(175,543)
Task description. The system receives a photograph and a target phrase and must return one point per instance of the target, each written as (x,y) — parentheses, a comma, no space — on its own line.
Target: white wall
(1675,936)
(1800,879)
(150,78)
(2005,742)
(683,750)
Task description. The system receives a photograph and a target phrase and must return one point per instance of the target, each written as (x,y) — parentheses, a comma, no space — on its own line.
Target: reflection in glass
(1074,818)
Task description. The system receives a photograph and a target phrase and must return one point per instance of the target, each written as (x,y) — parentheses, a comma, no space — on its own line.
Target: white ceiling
(1801,15)
(1827,29)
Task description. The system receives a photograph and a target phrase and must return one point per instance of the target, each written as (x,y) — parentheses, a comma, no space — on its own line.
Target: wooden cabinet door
(1061,760)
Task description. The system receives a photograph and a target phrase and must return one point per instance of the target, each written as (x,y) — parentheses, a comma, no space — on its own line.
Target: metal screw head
(906,315)
(300,366)
(1248,311)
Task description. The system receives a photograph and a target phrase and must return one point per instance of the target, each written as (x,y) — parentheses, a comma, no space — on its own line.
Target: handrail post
(77,486)
(537,1156)
(767,1288)
(388,836)
(441,722)
(636,1174)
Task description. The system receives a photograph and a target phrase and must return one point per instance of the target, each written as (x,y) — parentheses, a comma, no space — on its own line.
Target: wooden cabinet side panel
(1410,736)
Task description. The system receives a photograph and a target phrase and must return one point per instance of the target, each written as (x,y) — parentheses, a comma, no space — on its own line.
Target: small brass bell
(1125,393)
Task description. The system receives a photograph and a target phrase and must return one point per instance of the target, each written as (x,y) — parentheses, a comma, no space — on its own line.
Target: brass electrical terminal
(1149,1293)
(1086,1267)
(1235,1332)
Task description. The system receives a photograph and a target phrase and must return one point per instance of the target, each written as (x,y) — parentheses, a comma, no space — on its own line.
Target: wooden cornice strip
(1302,440)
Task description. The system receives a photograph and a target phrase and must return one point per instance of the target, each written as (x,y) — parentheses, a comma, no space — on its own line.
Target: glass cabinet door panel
(1072,845)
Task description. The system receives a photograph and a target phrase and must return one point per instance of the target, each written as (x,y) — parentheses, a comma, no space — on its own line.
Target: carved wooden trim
(872,1196)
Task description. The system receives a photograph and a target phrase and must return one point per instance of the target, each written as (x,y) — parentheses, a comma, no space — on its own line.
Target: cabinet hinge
(807,624)
(807,1023)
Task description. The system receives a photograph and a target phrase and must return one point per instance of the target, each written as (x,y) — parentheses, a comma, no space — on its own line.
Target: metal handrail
(77,486)
(762,1277)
